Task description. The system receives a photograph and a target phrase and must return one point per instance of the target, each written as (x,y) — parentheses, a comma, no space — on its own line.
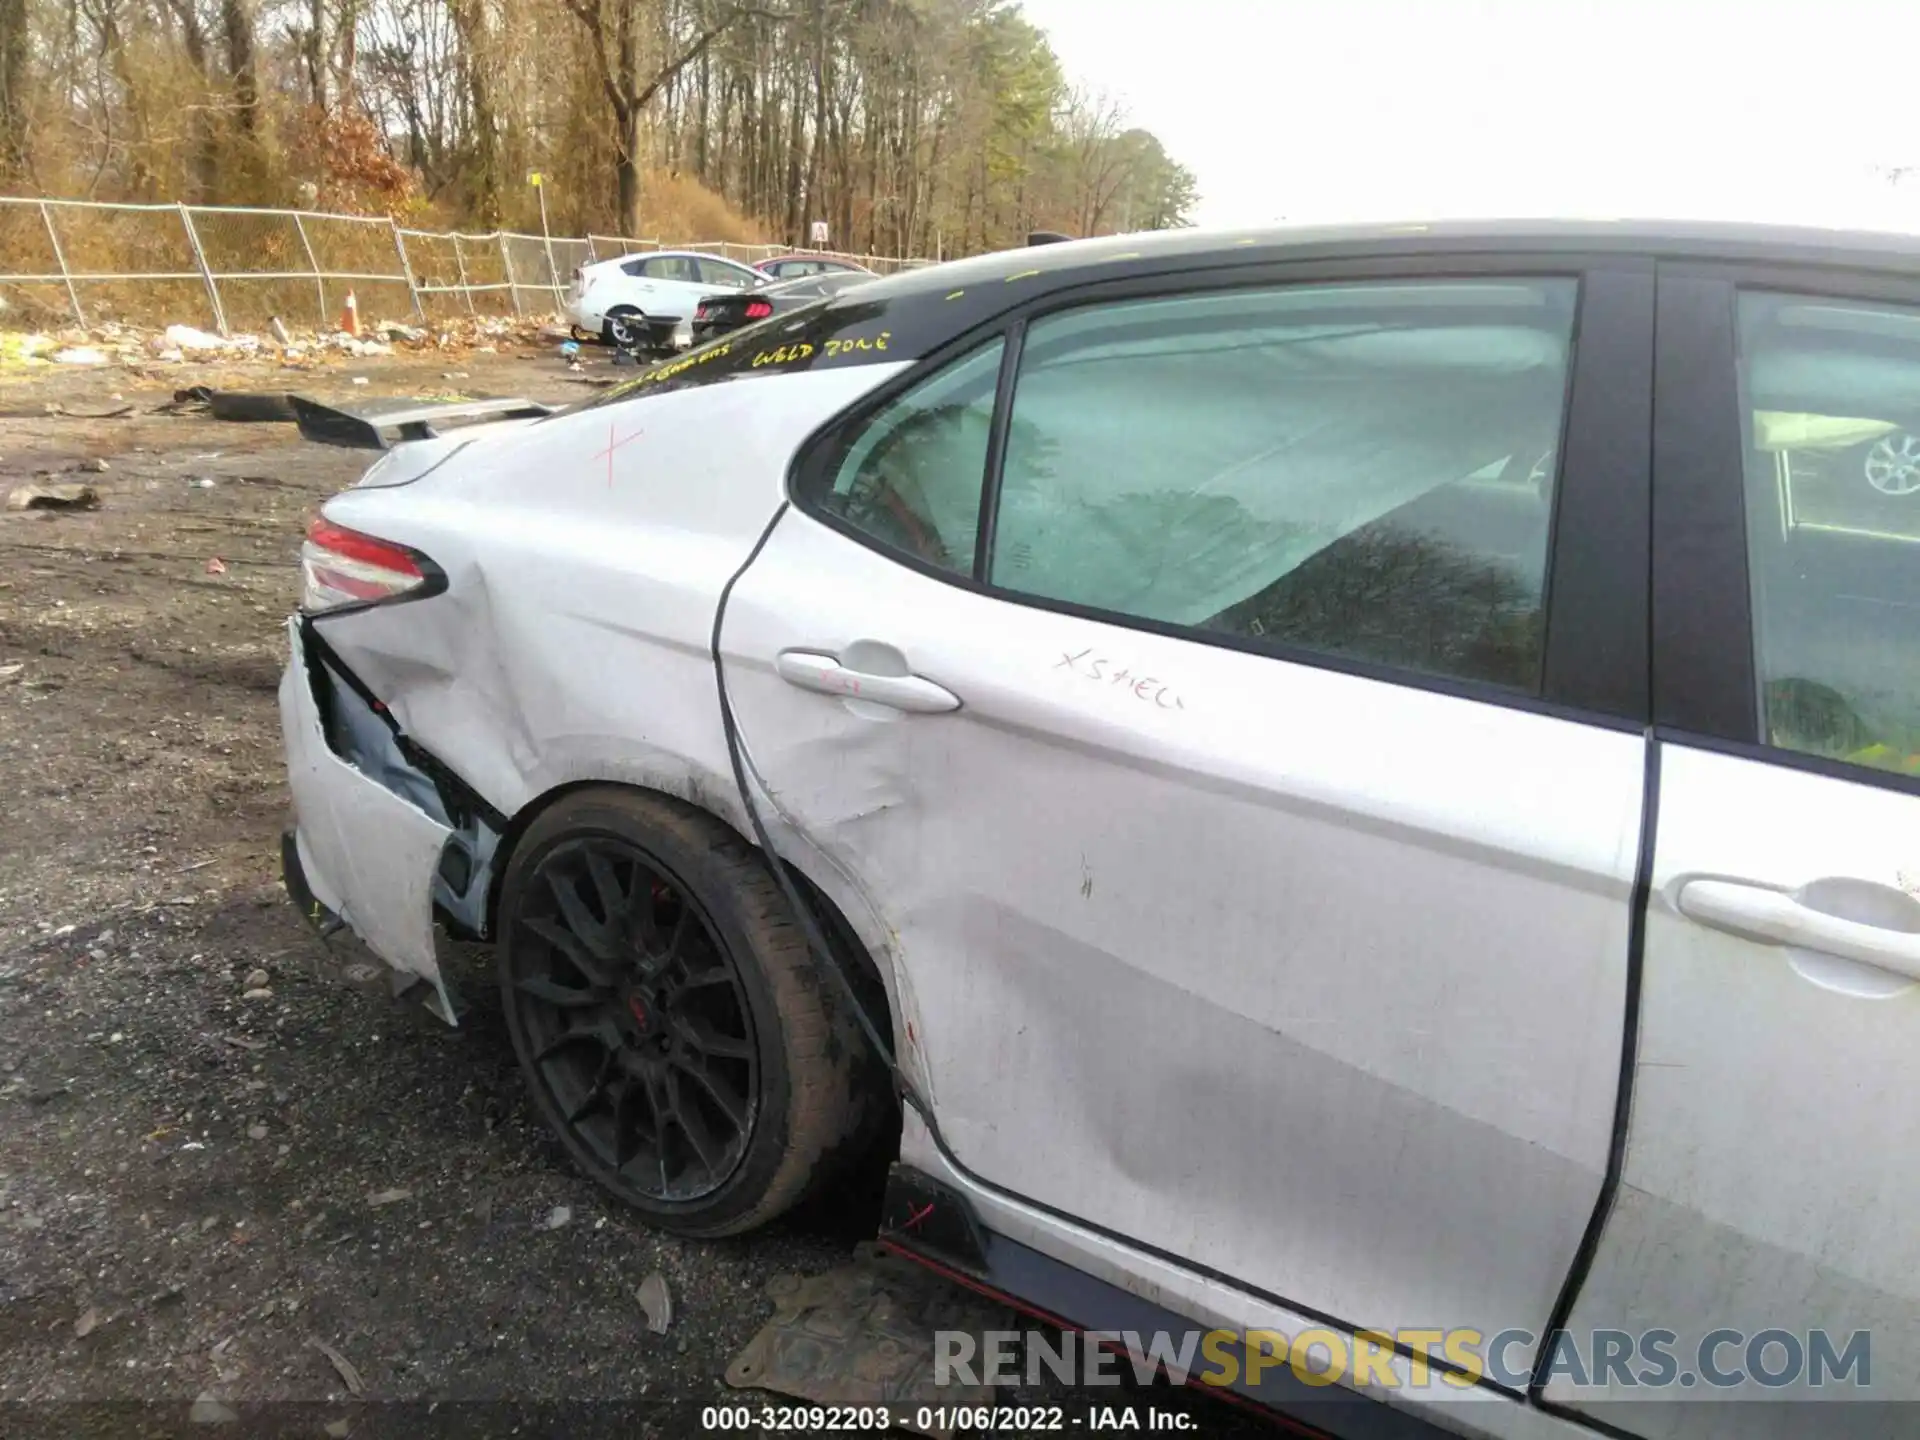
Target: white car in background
(651,298)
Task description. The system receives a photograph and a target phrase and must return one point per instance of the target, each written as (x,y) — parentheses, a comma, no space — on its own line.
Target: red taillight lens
(700,310)
(340,567)
(758,309)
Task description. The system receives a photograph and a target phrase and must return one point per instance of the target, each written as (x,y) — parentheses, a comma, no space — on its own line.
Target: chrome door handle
(1774,917)
(811,670)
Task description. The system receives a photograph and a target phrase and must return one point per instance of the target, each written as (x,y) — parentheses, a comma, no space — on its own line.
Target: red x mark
(613,445)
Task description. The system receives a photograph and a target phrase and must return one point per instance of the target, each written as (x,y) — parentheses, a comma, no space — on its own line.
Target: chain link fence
(234,269)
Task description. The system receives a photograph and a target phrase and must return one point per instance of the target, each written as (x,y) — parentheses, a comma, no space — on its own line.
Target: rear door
(1765,1217)
(1252,784)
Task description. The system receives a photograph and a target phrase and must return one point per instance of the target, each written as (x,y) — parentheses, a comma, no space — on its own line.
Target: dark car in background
(718,314)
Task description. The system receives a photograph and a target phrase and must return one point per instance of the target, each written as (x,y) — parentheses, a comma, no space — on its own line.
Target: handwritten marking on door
(1092,665)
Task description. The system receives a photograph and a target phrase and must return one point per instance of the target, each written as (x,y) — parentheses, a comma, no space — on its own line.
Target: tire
(620,313)
(797,1075)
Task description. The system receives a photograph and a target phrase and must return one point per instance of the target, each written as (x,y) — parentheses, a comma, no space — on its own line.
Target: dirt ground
(199,1191)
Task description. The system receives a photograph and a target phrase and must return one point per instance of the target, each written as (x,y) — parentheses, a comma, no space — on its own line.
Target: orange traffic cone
(350,316)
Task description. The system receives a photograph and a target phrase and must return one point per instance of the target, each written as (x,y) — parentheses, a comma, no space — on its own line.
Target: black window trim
(1702,513)
(1609,391)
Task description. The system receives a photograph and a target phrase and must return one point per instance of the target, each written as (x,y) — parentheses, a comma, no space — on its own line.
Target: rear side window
(669,267)
(1832,401)
(719,272)
(1364,471)
(911,476)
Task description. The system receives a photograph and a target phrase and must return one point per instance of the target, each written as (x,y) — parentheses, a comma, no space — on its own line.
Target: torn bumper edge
(358,853)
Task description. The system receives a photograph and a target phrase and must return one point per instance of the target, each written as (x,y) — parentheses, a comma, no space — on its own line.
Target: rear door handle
(811,670)
(1774,917)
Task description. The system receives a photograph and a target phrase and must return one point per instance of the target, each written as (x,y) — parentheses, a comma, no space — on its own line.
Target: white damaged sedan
(1253,759)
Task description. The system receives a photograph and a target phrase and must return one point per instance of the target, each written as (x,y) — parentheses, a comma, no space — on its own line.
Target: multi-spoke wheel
(666,1013)
(1893,464)
(637,1018)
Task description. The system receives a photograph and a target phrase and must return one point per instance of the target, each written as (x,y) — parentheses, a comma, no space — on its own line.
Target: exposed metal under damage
(386,837)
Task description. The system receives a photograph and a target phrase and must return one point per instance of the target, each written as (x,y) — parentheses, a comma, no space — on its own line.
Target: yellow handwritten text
(860,342)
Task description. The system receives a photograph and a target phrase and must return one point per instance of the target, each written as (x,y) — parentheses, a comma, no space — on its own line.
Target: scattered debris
(216,566)
(95,466)
(250,407)
(393,330)
(259,992)
(359,379)
(338,1429)
(278,328)
(186,338)
(559,1216)
(7,672)
(256,1132)
(863,1335)
(657,1301)
(88,1322)
(53,497)
(203,482)
(80,355)
(257,979)
(242,1042)
(68,412)
(388,1197)
(209,1409)
(355,1385)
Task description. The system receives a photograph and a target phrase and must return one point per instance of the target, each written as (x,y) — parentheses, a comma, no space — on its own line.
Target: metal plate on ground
(862,1335)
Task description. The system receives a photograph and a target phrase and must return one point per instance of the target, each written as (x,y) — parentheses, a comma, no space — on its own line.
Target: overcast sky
(1319,109)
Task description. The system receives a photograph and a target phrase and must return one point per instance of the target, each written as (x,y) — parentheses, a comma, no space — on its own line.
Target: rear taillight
(340,567)
(700,310)
(758,309)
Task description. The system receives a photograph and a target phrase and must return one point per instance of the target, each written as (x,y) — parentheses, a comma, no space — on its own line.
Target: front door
(1259,887)
(1765,1225)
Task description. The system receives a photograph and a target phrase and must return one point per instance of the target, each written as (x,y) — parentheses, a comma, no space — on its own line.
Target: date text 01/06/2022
(988,1419)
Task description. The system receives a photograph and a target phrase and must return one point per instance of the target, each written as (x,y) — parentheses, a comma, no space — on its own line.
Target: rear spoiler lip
(367,427)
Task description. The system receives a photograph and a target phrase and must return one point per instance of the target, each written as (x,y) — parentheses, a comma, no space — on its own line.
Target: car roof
(1061,265)
(670,255)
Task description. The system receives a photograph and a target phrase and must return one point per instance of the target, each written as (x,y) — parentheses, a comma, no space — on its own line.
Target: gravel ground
(280,1189)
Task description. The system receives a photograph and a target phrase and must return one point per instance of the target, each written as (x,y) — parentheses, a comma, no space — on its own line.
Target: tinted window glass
(911,476)
(669,267)
(719,272)
(1832,392)
(1362,470)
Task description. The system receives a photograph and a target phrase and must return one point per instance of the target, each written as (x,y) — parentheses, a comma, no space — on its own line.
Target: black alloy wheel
(638,1019)
(673,1029)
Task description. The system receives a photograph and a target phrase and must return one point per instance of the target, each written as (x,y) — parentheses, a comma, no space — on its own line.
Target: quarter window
(911,477)
(1364,471)
(1832,406)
